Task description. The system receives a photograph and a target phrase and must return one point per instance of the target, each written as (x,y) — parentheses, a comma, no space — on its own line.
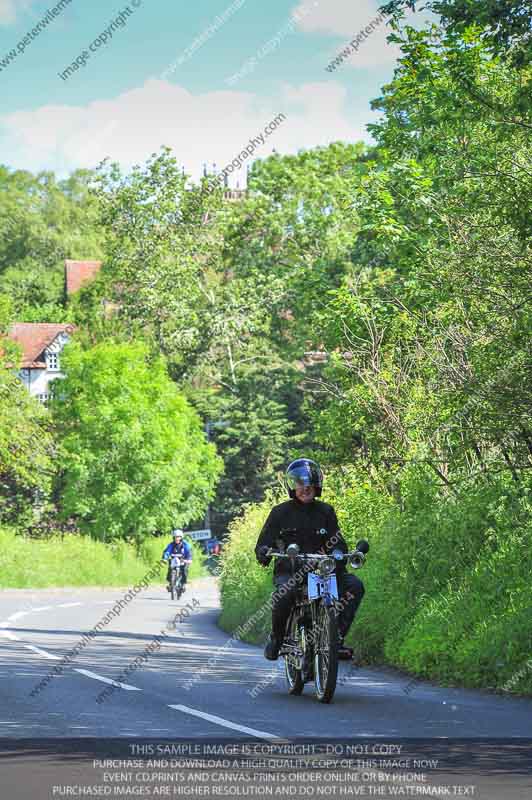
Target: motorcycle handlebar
(356,558)
(279,554)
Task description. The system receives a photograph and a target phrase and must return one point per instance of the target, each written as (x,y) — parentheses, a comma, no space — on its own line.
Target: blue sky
(152,82)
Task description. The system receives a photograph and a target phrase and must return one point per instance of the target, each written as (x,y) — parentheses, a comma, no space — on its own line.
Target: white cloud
(345,19)
(10,8)
(214,126)
(342,17)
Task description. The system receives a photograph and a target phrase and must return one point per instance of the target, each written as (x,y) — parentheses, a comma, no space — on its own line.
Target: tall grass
(75,560)
(448,586)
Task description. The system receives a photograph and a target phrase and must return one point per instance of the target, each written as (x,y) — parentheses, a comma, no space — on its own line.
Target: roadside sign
(197,535)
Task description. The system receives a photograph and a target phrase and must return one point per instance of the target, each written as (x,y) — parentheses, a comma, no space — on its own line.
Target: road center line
(18,615)
(42,608)
(68,605)
(227,724)
(96,677)
(41,652)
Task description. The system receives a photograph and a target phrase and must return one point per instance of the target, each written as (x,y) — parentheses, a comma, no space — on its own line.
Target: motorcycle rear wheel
(326,654)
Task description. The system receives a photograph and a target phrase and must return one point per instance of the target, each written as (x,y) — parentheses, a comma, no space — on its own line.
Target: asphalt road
(188,689)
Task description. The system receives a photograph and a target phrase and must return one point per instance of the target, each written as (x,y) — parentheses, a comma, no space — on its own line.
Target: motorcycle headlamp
(326,566)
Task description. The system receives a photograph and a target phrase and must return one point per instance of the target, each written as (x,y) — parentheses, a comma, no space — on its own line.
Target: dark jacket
(316,531)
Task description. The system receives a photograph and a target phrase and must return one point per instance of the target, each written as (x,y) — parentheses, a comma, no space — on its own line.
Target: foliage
(242,598)
(74,560)
(42,222)
(429,334)
(505,25)
(285,245)
(447,581)
(424,410)
(159,248)
(26,438)
(133,454)
(368,306)
(202,286)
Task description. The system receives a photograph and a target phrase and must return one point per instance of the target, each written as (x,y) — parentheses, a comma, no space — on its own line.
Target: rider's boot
(273,645)
(307,669)
(344,653)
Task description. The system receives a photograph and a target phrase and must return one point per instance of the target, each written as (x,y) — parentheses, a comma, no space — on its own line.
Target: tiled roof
(79,272)
(34,337)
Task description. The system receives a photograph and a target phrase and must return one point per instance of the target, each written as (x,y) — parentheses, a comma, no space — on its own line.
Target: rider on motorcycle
(316,531)
(179,547)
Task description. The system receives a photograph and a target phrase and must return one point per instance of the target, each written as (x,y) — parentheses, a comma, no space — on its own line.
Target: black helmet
(306,472)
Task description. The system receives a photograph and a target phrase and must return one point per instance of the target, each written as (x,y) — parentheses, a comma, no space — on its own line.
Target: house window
(52,361)
(42,398)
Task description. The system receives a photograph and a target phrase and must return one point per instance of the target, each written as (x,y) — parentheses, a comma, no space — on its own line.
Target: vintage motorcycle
(176,580)
(310,646)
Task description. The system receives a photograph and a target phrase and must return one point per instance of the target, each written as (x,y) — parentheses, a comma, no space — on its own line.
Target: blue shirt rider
(178,546)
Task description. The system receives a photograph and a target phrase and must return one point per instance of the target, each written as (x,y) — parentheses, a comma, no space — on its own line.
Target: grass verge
(76,560)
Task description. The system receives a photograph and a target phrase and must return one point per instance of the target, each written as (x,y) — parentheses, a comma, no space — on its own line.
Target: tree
(506,25)
(253,429)
(133,452)
(42,222)
(161,256)
(435,317)
(26,439)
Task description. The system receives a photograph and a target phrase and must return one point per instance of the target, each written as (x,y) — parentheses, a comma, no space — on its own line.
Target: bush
(75,560)
(244,584)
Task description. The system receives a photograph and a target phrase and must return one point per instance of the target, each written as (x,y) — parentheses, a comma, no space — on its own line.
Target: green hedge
(447,579)
(75,560)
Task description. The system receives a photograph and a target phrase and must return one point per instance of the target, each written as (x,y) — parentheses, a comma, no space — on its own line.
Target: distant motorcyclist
(178,547)
(316,530)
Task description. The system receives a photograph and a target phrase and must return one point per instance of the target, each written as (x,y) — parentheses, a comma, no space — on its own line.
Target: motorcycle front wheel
(173,586)
(326,653)
(294,676)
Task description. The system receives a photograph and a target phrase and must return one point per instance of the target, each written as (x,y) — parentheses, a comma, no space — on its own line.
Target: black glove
(262,556)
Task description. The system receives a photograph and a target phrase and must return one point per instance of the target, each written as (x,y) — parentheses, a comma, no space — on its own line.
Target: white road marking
(42,608)
(68,605)
(41,652)
(90,674)
(10,635)
(30,675)
(227,724)
(18,615)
